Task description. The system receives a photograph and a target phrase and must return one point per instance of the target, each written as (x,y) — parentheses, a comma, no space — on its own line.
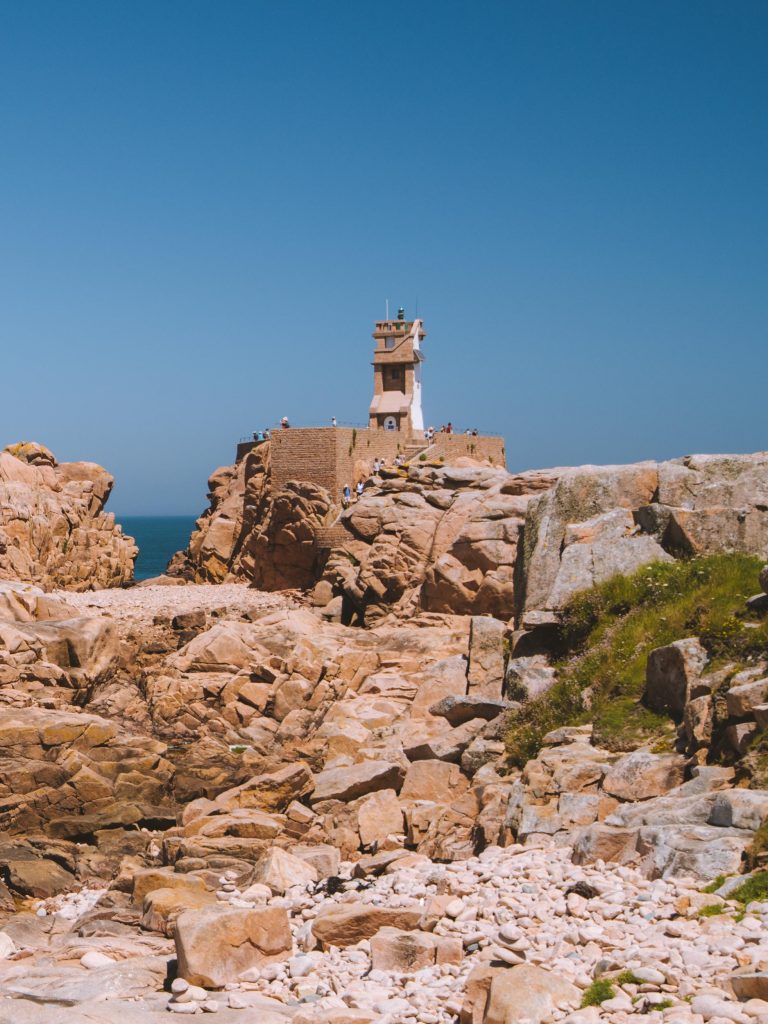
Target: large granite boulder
(597,521)
(350,923)
(215,945)
(673,675)
(53,528)
(506,995)
(256,532)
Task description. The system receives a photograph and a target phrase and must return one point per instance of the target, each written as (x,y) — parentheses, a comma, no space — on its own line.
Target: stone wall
(481,448)
(328,456)
(306,454)
(357,450)
(334,456)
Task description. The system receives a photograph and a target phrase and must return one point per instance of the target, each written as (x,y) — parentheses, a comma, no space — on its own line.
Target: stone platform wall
(331,456)
(452,446)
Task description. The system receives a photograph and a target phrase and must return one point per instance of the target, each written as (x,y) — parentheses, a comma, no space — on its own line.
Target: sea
(158,538)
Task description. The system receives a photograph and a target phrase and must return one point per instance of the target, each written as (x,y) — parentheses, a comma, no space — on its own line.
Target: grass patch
(607,633)
(712,911)
(714,885)
(663,1005)
(597,993)
(755,888)
(628,978)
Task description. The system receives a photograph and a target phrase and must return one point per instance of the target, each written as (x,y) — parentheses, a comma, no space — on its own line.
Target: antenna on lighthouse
(387,303)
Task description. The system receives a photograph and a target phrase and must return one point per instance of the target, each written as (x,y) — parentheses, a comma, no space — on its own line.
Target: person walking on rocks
(359,488)
(346,496)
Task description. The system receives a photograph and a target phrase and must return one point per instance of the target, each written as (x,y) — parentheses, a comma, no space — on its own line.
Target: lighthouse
(397,359)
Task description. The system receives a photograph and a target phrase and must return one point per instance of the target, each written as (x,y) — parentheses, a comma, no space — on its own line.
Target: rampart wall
(330,456)
(451,446)
(305,454)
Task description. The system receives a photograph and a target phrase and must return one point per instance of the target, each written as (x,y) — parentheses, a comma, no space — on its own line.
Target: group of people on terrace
(429,433)
(266,433)
(447,428)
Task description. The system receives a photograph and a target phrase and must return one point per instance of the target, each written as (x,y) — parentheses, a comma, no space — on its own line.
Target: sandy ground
(147,602)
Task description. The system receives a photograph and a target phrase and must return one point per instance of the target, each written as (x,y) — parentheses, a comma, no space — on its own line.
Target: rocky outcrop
(53,528)
(316,821)
(440,539)
(473,540)
(72,774)
(253,532)
(443,539)
(601,520)
(635,808)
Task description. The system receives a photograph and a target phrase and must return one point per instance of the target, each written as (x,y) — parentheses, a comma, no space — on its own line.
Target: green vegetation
(714,885)
(597,993)
(663,1005)
(608,632)
(628,978)
(754,888)
(713,910)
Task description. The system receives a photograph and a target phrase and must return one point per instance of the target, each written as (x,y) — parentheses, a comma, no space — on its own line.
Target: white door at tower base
(390,423)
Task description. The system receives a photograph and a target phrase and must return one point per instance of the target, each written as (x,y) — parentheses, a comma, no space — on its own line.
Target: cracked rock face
(256,533)
(475,541)
(600,520)
(441,539)
(53,528)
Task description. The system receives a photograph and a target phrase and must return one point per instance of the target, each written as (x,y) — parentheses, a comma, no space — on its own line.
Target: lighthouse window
(389,342)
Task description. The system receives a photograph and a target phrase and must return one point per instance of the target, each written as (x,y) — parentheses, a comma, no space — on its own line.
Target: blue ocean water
(158,537)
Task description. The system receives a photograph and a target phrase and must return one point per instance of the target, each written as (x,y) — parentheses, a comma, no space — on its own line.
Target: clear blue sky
(203,206)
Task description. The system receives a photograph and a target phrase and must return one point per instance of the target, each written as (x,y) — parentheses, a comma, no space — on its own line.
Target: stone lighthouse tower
(397,360)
